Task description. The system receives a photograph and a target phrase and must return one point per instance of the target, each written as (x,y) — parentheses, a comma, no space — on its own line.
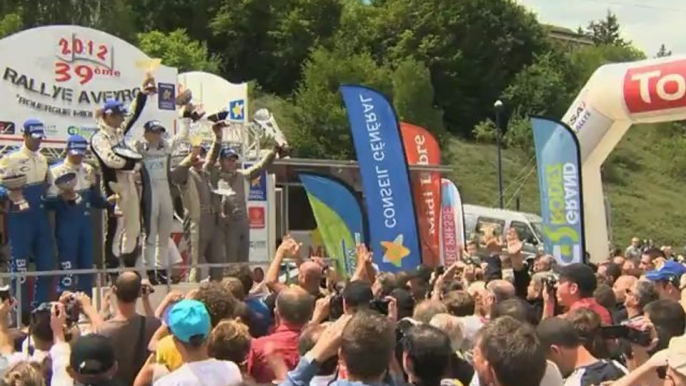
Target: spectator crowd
(499,320)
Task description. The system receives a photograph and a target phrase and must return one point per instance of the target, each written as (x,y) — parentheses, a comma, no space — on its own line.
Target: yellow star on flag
(238,110)
(395,251)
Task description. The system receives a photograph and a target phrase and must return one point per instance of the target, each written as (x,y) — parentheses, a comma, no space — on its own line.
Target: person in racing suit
(194,177)
(158,209)
(73,222)
(234,210)
(118,174)
(29,230)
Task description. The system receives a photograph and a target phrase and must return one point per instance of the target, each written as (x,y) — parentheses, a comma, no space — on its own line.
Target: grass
(641,178)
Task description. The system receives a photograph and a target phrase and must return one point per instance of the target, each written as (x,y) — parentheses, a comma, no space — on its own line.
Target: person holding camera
(129,331)
(575,288)
(576,363)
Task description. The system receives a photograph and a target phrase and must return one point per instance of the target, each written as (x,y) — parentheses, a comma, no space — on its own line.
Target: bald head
(622,285)
(310,270)
(127,287)
(501,289)
(295,306)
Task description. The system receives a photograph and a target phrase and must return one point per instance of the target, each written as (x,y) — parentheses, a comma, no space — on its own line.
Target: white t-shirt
(210,372)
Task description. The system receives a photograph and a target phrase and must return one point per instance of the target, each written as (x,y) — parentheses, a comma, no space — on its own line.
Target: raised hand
(149,87)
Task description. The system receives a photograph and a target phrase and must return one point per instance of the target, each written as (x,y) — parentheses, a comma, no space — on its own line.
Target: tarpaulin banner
(339,217)
(559,181)
(421,148)
(452,232)
(385,179)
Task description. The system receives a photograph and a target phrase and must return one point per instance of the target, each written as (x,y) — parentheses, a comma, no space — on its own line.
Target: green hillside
(643,179)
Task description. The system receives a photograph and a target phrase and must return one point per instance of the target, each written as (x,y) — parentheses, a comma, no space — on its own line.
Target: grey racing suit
(157,206)
(235,225)
(202,211)
(121,233)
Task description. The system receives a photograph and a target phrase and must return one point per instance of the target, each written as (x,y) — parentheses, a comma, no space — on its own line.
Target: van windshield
(538,228)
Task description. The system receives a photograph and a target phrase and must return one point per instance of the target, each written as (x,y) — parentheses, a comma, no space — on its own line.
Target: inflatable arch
(616,97)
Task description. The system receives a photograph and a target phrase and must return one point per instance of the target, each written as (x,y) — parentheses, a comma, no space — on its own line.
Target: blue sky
(647,23)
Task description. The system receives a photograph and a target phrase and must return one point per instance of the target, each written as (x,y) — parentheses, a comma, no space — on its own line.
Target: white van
(528,225)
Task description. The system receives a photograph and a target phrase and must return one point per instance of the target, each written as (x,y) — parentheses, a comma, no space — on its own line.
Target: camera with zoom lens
(550,283)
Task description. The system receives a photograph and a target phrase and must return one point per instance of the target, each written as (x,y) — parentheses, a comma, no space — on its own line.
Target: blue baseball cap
(77,145)
(154,126)
(228,152)
(35,128)
(669,271)
(113,106)
(189,318)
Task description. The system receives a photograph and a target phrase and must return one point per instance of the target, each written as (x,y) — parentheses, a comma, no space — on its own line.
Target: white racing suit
(157,206)
(118,176)
(235,226)
(201,212)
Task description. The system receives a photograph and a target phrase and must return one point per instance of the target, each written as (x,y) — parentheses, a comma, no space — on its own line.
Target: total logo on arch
(655,87)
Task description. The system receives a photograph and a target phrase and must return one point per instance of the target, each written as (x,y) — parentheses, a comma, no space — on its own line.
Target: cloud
(646,24)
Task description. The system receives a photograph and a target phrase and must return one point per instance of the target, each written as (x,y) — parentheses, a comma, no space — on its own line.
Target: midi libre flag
(339,217)
(385,179)
(452,233)
(559,181)
(422,148)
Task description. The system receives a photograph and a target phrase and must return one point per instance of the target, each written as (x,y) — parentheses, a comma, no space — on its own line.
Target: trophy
(124,151)
(66,183)
(149,66)
(15,185)
(184,97)
(264,119)
(223,189)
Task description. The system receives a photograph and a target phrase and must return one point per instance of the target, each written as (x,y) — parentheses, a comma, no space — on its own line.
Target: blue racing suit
(73,224)
(29,231)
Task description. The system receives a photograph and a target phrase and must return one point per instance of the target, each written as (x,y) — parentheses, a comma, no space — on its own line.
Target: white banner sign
(62,74)
(217,94)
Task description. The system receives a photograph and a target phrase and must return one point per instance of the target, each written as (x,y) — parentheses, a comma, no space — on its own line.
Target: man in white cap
(74,226)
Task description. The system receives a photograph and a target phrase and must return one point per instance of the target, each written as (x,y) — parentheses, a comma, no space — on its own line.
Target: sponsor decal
(7,127)
(256,217)
(656,87)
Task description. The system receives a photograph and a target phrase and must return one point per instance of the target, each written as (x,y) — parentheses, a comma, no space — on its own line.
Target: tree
(320,124)
(662,52)
(176,49)
(540,89)
(606,31)
(413,96)
(586,60)
(10,23)
(269,40)
(472,58)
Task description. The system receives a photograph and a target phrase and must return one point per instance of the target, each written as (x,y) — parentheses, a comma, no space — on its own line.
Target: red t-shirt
(594,306)
(285,340)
